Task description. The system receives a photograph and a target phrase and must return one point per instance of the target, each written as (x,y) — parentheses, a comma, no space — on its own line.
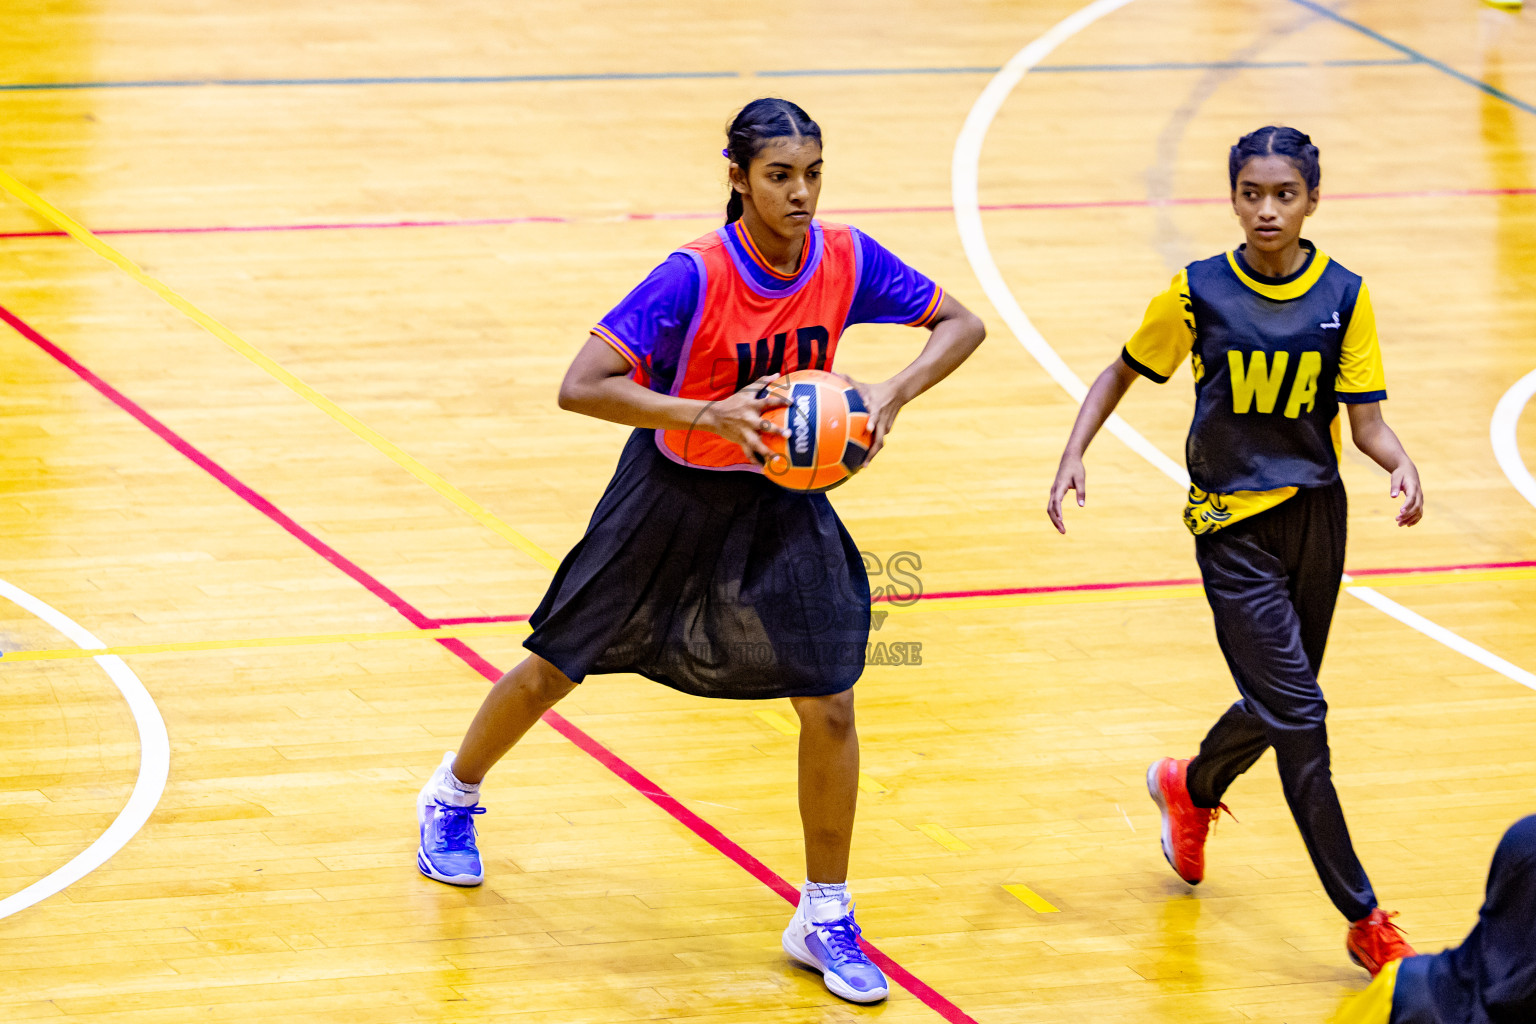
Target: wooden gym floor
(280,417)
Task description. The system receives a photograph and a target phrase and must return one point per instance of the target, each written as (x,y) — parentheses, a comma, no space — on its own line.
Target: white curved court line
(964,172)
(154,759)
(963,176)
(1501,431)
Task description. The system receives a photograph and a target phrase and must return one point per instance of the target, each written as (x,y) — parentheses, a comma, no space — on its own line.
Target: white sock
(450,790)
(825,901)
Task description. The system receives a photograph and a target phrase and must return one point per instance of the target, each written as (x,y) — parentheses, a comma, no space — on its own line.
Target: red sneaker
(1374,942)
(1185,826)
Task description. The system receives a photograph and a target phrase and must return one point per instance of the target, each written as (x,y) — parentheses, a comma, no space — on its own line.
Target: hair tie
(726,153)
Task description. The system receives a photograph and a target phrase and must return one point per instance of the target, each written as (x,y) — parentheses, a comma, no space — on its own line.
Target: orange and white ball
(829,435)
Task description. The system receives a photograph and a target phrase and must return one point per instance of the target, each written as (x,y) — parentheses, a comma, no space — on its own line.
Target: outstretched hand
(740,418)
(1070,476)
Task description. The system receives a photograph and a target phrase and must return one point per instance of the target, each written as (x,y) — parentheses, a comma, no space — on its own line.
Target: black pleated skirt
(719,584)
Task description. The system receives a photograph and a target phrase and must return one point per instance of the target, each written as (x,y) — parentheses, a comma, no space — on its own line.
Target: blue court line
(858,72)
(1093,68)
(641,76)
(175,83)
(1416,55)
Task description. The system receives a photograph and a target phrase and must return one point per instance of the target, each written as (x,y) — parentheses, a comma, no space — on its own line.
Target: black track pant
(1272,582)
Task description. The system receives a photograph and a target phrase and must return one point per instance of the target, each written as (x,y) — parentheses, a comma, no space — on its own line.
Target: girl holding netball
(1278,335)
(695,570)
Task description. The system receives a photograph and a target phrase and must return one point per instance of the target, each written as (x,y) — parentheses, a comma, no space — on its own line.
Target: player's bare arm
(956,333)
(1379,442)
(598,385)
(1099,404)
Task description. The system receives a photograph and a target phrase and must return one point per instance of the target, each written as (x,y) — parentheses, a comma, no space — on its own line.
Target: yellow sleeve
(1374,1005)
(1361,378)
(1166,335)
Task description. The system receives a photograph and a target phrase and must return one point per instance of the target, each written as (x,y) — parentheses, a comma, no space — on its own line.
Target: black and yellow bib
(1272,360)
(1265,404)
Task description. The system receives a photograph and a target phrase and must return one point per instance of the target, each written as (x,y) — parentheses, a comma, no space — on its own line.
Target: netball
(828,428)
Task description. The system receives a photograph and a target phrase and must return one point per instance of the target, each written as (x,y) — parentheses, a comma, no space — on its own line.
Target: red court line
(472,222)
(941,595)
(1139,584)
(219,473)
(623,769)
(357,225)
(475,620)
(1464,567)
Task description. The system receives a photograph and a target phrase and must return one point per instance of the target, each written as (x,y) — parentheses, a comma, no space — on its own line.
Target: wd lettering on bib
(715,362)
(759,360)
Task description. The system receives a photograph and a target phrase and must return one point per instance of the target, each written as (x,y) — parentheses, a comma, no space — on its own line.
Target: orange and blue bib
(715,316)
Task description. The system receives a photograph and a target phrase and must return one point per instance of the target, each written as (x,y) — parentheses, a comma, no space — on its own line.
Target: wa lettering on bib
(1265,401)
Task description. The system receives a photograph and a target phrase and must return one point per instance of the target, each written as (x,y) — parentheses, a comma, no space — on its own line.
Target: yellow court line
(1188,590)
(771,718)
(1444,576)
(871,785)
(1058,597)
(779,722)
(1034,901)
(182,305)
(441,632)
(944,837)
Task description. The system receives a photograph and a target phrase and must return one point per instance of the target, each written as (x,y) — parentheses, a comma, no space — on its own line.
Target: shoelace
(1208,822)
(842,938)
(458,828)
(1386,922)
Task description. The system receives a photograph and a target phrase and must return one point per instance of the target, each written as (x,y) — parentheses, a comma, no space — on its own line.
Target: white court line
(964,170)
(1501,431)
(967,202)
(1454,641)
(154,759)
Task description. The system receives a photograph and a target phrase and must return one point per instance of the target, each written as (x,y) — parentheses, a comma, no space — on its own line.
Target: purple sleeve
(648,327)
(890,292)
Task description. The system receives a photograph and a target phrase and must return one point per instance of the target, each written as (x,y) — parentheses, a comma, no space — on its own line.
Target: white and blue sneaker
(832,947)
(446,816)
